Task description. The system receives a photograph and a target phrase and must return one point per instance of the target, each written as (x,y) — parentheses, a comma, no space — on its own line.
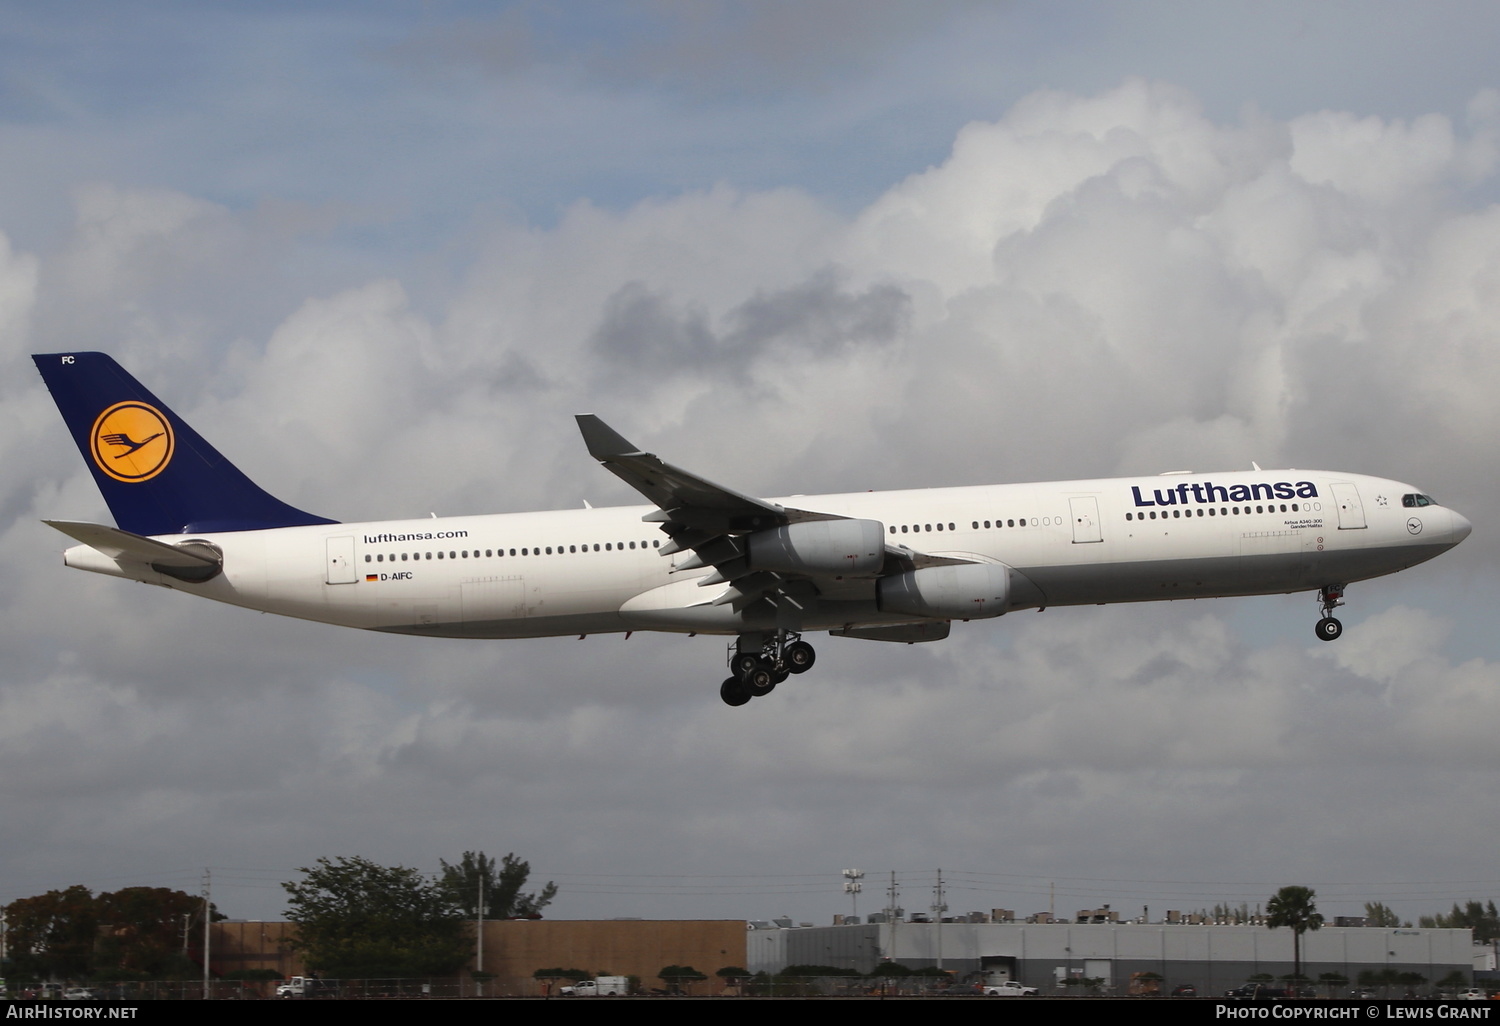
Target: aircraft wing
(699,500)
(711,520)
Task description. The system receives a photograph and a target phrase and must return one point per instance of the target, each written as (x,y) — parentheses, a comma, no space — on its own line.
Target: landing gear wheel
(734,692)
(1329,629)
(799,657)
(761,680)
(744,664)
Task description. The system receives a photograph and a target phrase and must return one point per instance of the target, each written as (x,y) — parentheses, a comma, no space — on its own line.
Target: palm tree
(1293,907)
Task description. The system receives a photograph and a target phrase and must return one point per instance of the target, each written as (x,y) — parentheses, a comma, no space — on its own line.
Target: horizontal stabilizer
(134,548)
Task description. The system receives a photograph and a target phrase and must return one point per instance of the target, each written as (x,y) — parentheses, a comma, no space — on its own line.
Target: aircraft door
(1086,526)
(1351,510)
(340,564)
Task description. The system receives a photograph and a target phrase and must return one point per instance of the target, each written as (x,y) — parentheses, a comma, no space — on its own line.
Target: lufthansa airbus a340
(705,559)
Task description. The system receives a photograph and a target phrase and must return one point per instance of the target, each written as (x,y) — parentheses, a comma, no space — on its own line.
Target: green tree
(680,976)
(1293,908)
(52,934)
(1483,919)
(359,920)
(503,898)
(133,933)
(1379,914)
(141,932)
(563,974)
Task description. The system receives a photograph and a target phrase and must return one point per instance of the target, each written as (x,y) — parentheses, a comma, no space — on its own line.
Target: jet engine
(967,591)
(854,548)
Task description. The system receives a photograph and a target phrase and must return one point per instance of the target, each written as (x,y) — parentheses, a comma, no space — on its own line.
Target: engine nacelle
(854,548)
(967,591)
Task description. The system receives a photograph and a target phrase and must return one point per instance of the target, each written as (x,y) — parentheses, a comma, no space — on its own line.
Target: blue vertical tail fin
(157,474)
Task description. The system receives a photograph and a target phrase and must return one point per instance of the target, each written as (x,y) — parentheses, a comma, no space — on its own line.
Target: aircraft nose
(1460,528)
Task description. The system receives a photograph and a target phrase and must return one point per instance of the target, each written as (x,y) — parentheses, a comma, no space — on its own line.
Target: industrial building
(1213,958)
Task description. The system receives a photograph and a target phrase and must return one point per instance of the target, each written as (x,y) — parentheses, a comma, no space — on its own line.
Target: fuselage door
(1086,526)
(341,561)
(1351,510)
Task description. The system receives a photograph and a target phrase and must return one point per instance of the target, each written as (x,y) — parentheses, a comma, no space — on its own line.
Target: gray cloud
(1090,283)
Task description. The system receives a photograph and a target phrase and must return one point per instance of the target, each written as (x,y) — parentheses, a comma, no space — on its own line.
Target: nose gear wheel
(1330,597)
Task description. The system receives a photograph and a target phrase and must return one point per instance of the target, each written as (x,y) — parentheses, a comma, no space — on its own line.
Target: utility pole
(938,908)
(479,930)
(892,912)
(208,917)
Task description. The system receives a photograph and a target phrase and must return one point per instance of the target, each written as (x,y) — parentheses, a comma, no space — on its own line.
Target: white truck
(1008,988)
(603,986)
(307,987)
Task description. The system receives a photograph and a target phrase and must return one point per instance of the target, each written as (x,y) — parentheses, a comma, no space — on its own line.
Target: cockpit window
(1412,501)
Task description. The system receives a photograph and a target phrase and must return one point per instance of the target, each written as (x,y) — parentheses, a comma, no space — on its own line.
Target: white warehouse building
(1211,958)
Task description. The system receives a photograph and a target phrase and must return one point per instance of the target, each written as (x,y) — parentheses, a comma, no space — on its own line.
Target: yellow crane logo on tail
(132,441)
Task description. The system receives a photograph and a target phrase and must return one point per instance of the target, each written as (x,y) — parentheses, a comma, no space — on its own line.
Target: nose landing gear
(1330,597)
(759,662)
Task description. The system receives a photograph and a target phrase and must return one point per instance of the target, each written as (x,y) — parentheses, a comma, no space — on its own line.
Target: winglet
(604,441)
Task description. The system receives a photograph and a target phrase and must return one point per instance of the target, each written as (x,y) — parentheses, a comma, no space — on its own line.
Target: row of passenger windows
(381,557)
(919,528)
(904,529)
(1222,511)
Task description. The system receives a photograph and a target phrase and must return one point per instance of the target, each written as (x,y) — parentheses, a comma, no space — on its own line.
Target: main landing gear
(1330,596)
(759,662)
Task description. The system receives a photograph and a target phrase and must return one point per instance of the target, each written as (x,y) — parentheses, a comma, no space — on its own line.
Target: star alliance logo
(132,442)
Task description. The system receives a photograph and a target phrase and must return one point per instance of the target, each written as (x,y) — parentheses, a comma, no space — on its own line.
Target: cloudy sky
(382,253)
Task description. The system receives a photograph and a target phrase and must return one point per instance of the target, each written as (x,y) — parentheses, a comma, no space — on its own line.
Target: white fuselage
(600,570)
